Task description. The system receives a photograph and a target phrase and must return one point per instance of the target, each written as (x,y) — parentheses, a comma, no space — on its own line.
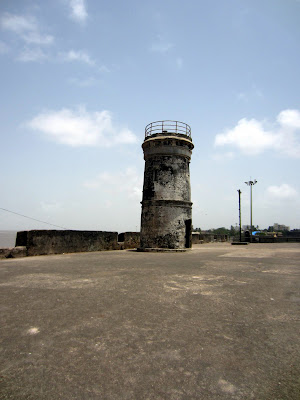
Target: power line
(34,219)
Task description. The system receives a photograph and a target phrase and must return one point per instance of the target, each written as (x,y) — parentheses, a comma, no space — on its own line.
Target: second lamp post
(251,183)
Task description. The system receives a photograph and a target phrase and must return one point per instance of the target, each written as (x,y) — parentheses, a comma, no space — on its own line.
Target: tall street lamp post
(240,219)
(251,183)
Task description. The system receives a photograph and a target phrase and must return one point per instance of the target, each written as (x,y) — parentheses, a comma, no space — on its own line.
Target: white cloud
(253,94)
(128,182)
(289,119)
(81,128)
(252,137)
(283,191)
(26,28)
(249,136)
(78,10)
(18,23)
(103,68)
(29,55)
(161,45)
(242,96)
(85,82)
(3,48)
(38,38)
(79,55)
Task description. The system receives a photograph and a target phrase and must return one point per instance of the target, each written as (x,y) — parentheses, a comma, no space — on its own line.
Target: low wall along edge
(41,242)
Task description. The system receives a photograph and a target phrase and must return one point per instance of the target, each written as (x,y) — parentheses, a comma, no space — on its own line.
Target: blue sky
(80,80)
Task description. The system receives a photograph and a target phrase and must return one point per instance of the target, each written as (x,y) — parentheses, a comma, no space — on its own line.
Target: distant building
(280,227)
(245,227)
(248,227)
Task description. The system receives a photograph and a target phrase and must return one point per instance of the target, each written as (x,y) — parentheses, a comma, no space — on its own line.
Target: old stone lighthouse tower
(166,207)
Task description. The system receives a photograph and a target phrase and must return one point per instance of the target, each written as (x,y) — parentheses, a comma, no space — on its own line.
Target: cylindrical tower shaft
(166,207)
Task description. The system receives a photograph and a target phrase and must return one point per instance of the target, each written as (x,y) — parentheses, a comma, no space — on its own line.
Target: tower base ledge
(161,250)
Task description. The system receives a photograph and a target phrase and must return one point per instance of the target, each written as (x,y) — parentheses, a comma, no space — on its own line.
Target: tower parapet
(167,126)
(166,207)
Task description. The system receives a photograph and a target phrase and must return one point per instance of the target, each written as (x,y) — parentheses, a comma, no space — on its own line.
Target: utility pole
(251,183)
(240,220)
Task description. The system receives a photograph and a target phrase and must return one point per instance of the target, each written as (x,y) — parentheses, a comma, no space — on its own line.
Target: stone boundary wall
(131,240)
(13,252)
(268,239)
(41,242)
(198,238)
(44,242)
(279,239)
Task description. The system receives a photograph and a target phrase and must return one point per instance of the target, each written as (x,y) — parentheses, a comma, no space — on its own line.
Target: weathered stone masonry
(44,242)
(166,207)
(40,242)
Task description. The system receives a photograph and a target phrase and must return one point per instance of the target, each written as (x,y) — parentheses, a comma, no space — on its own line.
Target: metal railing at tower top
(167,126)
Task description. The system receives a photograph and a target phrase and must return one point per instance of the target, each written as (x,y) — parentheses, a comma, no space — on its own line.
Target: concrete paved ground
(218,322)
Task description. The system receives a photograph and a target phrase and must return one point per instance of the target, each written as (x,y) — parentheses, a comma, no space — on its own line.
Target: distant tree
(221,231)
(197,230)
(232,231)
